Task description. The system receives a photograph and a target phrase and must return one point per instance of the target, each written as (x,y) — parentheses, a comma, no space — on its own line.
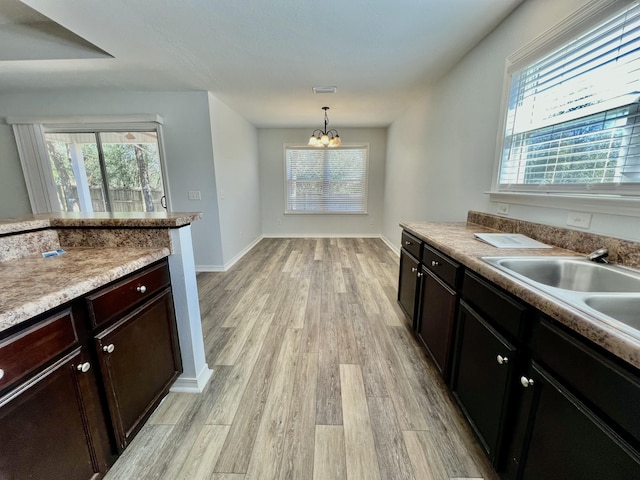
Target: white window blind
(573,117)
(326,180)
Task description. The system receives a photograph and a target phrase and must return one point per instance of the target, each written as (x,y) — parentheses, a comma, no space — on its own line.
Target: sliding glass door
(106,171)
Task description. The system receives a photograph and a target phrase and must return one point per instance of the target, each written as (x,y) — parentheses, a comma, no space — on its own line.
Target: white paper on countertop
(510,240)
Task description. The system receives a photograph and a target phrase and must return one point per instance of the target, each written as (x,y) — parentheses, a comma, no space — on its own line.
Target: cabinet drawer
(608,387)
(441,265)
(31,348)
(412,244)
(120,297)
(504,311)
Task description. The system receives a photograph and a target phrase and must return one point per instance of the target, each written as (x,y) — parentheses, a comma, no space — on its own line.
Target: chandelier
(325,138)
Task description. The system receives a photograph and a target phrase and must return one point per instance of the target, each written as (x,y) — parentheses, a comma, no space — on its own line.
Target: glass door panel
(107,171)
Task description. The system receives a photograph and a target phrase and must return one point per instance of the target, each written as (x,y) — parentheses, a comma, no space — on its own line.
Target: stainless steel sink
(623,309)
(608,292)
(571,273)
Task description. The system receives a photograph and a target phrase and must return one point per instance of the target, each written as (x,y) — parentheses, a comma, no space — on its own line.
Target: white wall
(187,140)
(276,223)
(441,151)
(235,153)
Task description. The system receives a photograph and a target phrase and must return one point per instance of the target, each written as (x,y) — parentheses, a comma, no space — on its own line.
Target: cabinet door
(139,360)
(51,427)
(407,287)
(436,319)
(483,378)
(564,440)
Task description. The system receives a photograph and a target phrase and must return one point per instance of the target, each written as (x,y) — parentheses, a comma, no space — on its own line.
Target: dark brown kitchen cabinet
(408,284)
(139,361)
(438,306)
(77,383)
(52,426)
(483,379)
(559,438)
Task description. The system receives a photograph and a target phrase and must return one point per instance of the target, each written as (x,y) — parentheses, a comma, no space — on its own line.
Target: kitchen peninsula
(93,334)
(100,248)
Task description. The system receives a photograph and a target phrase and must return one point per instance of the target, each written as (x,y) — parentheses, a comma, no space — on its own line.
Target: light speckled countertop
(32,284)
(103,220)
(457,241)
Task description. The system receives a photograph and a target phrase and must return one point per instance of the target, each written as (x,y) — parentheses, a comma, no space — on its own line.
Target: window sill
(607,204)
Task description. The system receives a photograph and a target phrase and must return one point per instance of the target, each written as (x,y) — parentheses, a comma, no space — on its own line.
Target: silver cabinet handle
(109,348)
(141,288)
(526,382)
(407,243)
(1,373)
(434,263)
(84,367)
(420,274)
(414,269)
(502,360)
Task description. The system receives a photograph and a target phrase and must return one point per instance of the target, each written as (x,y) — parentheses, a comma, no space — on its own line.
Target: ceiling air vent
(324,89)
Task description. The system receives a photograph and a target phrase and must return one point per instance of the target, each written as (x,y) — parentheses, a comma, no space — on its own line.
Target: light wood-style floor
(317,376)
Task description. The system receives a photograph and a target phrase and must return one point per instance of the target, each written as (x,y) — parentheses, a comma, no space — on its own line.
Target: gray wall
(441,151)
(276,223)
(235,152)
(187,140)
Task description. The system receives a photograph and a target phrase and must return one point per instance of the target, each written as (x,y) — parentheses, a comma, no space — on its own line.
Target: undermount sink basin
(608,292)
(623,309)
(570,273)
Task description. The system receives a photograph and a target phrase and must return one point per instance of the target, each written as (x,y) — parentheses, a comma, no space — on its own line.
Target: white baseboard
(230,263)
(390,244)
(323,235)
(191,384)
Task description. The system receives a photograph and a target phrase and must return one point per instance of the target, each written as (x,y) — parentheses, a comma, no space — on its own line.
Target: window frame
(612,198)
(35,161)
(364,146)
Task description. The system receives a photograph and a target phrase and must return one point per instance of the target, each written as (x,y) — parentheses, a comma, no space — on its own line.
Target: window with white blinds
(573,118)
(326,180)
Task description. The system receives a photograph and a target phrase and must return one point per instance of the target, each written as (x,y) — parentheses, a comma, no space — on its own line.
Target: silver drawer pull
(419,274)
(414,269)
(109,348)
(526,382)
(1,373)
(502,360)
(141,288)
(407,243)
(84,367)
(434,263)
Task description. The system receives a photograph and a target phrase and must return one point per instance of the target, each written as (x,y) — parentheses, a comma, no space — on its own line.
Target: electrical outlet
(194,195)
(579,219)
(503,209)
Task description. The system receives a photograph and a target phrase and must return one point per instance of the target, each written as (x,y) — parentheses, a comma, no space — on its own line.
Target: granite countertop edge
(102,220)
(52,282)
(457,240)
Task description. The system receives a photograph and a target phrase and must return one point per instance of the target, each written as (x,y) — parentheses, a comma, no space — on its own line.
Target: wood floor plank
(172,408)
(360,450)
(297,458)
(231,393)
(329,402)
(250,314)
(237,449)
(393,458)
(268,448)
(204,454)
(329,461)
(425,460)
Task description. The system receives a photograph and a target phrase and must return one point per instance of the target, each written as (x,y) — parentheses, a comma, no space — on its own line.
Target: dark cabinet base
(52,426)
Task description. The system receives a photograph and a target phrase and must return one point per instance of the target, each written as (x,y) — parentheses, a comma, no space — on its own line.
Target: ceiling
(260,57)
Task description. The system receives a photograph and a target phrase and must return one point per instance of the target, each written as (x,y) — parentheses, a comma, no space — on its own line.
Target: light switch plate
(194,195)
(579,219)
(503,209)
